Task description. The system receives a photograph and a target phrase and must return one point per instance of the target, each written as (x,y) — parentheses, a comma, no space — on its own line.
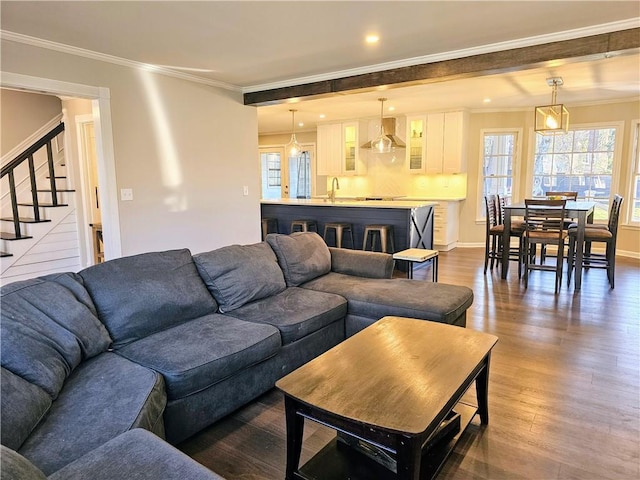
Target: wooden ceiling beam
(579,49)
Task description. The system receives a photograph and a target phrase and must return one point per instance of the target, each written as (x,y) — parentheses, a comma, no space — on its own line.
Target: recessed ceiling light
(322,115)
(372,38)
(301,124)
(391,109)
(487,100)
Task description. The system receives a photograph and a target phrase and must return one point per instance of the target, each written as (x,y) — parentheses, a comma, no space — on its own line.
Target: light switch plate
(126,194)
(245,190)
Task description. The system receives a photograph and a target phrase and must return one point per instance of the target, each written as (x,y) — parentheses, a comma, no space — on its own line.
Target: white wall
(184,148)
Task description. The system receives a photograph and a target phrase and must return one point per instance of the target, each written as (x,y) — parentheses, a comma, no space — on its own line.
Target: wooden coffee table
(389,389)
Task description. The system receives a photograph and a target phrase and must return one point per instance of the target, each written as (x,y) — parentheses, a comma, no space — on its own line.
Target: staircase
(38,224)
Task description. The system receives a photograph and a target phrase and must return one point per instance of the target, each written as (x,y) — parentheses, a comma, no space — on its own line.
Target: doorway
(292,178)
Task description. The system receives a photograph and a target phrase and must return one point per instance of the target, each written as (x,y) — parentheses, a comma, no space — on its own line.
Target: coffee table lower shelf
(337,461)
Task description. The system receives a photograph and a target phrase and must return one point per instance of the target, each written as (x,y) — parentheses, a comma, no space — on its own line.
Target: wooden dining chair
(545,226)
(593,234)
(493,233)
(555,195)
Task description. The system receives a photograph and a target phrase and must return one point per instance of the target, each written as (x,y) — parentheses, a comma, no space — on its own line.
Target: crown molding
(103,57)
(454,54)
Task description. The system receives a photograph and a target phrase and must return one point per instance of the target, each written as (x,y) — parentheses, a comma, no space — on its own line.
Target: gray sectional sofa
(169,342)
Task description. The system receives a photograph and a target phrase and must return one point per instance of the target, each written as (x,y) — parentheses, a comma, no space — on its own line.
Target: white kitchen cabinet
(329,149)
(416,140)
(446,225)
(446,143)
(338,146)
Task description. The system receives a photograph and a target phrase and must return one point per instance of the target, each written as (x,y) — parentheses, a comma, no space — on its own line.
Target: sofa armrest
(361,263)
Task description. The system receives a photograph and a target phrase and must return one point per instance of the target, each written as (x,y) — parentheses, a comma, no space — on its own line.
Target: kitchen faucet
(335,185)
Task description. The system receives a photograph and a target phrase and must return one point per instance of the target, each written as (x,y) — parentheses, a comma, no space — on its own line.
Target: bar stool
(269,225)
(304,225)
(339,228)
(384,232)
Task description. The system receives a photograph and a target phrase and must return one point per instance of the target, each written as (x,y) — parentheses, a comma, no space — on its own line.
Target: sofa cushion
(200,353)
(239,274)
(376,298)
(136,454)
(302,256)
(361,263)
(296,312)
(47,329)
(104,397)
(16,467)
(143,294)
(22,406)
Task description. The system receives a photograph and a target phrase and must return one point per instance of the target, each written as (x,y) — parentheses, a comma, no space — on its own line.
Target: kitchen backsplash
(387,177)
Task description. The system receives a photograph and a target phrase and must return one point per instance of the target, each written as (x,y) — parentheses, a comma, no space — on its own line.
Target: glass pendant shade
(382,143)
(293,148)
(552,118)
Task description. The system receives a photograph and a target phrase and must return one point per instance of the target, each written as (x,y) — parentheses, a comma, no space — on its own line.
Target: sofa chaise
(170,342)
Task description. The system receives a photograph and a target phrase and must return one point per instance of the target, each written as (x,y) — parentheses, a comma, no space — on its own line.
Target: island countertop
(321,202)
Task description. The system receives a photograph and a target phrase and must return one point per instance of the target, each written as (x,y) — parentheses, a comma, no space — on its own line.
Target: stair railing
(27,155)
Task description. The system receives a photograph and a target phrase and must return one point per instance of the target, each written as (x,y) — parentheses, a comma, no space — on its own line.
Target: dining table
(580,210)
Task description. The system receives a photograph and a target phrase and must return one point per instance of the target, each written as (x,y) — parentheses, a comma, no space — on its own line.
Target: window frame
(634,173)
(515,163)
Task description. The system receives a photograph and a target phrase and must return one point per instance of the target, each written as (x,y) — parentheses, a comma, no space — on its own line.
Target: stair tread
(5,254)
(58,190)
(24,220)
(12,236)
(43,204)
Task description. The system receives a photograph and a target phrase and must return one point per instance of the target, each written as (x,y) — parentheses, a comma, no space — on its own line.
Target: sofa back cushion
(22,405)
(239,274)
(48,326)
(147,293)
(302,256)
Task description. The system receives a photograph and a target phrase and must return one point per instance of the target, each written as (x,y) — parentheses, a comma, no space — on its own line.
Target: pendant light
(294,149)
(555,117)
(382,143)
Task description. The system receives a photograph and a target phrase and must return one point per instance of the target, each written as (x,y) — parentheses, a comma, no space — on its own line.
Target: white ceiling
(264,44)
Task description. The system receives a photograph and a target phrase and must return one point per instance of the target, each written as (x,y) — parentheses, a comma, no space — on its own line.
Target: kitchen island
(412,220)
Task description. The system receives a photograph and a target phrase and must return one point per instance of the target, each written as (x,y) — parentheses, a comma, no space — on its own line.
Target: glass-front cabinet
(416,143)
(339,149)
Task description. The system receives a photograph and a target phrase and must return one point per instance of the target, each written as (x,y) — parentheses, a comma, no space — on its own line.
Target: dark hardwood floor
(564,393)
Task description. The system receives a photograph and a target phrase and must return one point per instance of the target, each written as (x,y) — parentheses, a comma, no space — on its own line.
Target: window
(581,160)
(273,170)
(634,214)
(499,153)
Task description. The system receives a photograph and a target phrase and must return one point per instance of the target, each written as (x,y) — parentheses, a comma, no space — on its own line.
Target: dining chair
(557,195)
(516,230)
(598,233)
(494,235)
(545,226)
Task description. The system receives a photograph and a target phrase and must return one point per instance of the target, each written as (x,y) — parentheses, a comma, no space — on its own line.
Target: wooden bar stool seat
(384,232)
(339,228)
(269,225)
(304,225)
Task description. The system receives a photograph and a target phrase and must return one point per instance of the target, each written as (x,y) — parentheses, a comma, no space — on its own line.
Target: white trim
(104,145)
(455,54)
(83,213)
(634,156)
(102,57)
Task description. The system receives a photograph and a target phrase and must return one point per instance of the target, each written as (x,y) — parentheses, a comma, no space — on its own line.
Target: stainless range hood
(389,126)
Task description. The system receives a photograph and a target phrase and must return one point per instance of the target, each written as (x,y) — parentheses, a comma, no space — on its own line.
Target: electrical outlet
(126,194)
(245,190)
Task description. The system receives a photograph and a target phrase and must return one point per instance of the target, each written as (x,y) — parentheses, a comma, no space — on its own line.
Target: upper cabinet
(446,143)
(416,143)
(338,149)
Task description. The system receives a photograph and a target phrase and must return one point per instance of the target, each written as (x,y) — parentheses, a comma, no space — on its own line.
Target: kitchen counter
(346,202)
(412,220)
